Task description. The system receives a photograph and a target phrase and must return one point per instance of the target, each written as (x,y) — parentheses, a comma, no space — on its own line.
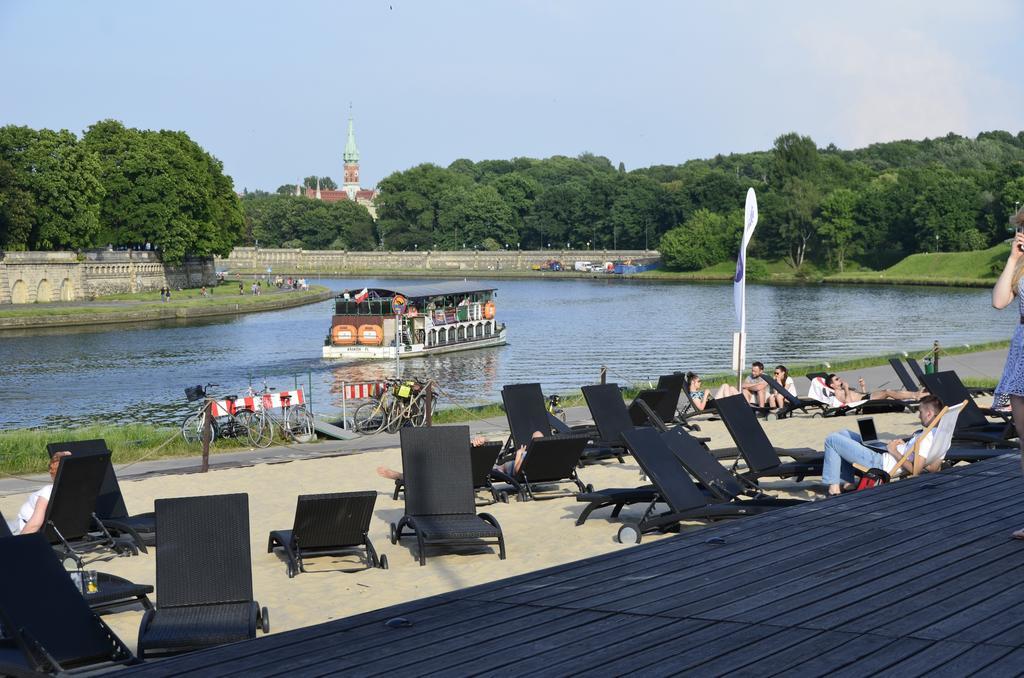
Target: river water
(560,333)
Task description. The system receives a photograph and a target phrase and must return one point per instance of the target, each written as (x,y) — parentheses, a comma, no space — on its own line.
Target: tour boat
(375,323)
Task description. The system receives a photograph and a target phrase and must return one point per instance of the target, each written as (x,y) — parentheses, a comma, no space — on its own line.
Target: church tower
(351,159)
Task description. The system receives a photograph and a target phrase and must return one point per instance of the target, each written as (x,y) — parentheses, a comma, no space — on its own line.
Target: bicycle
(401,402)
(295,422)
(554,407)
(233,424)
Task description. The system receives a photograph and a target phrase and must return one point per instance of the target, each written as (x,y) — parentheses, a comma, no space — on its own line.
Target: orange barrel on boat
(371,335)
(489,310)
(343,335)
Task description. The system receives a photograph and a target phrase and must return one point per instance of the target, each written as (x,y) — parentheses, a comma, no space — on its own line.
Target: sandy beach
(538,534)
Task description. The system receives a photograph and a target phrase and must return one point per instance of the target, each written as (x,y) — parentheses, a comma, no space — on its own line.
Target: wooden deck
(918,577)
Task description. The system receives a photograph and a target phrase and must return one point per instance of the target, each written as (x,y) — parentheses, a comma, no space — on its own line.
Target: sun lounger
(972,426)
(833,408)
(551,460)
(755,447)
(335,524)
(110,506)
(526,412)
(673,486)
(901,372)
(483,457)
(915,367)
(655,400)
(793,403)
(439,505)
(70,522)
(203,576)
(49,626)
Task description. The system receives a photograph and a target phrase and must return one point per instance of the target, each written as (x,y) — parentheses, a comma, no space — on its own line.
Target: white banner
(740,281)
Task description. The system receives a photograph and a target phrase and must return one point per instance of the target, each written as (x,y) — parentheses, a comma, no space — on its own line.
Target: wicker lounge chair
(335,524)
(203,576)
(483,458)
(551,460)
(527,413)
(110,506)
(826,396)
(439,505)
(794,403)
(756,449)
(49,627)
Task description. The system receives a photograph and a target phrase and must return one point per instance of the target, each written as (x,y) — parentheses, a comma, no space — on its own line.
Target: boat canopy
(428,290)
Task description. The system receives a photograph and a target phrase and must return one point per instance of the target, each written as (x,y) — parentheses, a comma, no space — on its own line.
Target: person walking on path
(1011,386)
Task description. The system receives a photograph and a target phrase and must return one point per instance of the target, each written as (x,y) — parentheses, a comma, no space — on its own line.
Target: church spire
(351,153)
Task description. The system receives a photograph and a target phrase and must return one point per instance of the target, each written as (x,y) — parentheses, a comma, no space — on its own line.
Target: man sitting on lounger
(510,468)
(843,449)
(845,395)
(755,389)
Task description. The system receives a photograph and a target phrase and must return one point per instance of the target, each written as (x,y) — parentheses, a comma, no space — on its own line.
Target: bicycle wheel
(369,418)
(398,415)
(243,419)
(418,413)
(192,429)
(298,423)
(261,429)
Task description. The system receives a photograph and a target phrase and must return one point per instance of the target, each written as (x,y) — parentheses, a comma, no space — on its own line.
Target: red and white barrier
(258,402)
(370,389)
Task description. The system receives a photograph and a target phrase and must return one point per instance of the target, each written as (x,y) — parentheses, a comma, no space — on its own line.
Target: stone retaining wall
(248,259)
(28,277)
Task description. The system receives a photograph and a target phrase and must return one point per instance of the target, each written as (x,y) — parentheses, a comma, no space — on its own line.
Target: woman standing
(1011,386)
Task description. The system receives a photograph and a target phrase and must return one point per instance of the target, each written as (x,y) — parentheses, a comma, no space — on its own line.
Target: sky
(267,86)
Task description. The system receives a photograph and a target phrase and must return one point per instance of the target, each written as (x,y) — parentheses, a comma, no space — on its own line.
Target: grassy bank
(183,305)
(24,451)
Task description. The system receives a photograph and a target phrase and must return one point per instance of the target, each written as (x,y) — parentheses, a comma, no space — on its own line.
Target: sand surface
(538,534)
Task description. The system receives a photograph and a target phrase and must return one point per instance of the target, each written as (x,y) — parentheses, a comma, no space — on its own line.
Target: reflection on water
(560,332)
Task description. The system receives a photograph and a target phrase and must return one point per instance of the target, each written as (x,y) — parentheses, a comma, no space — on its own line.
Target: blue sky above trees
(266,87)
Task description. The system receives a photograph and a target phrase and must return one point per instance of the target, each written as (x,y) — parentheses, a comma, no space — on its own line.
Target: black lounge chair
(335,524)
(48,626)
(656,400)
(972,426)
(674,487)
(526,412)
(439,499)
(867,406)
(483,458)
(715,479)
(901,372)
(550,460)
(611,415)
(756,449)
(203,577)
(70,522)
(915,367)
(673,385)
(794,403)
(110,506)
(111,592)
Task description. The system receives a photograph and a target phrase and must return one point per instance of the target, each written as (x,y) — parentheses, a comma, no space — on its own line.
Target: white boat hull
(358,352)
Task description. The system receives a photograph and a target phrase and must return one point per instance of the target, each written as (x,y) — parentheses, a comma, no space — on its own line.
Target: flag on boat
(361,297)
(739,288)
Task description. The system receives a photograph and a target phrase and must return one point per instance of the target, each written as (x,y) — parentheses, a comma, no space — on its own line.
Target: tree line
(826,206)
(114,186)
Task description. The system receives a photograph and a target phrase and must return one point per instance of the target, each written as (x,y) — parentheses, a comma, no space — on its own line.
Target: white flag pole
(740,288)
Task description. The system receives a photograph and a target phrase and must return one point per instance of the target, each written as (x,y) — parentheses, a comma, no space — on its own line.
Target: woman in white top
(30,515)
(781,376)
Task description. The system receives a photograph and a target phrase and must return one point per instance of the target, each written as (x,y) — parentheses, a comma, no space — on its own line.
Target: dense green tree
(16,210)
(837,227)
(472,214)
(410,203)
(794,156)
(800,199)
(299,222)
(163,188)
(705,239)
(326,183)
(945,212)
(51,189)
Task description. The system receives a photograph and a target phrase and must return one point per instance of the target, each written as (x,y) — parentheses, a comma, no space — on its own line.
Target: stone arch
(44,292)
(67,292)
(19,292)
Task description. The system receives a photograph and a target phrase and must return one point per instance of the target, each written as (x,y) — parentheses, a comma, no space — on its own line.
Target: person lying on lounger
(510,468)
(33,511)
(843,449)
(701,397)
(846,395)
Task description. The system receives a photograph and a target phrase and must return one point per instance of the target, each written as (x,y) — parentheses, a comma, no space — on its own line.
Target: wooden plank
(973,660)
